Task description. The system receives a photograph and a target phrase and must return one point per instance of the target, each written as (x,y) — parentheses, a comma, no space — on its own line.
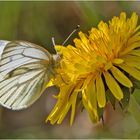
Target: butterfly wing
(25,69)
(3,43)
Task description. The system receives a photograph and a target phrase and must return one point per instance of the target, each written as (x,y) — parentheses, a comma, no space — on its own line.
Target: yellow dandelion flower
(100,61)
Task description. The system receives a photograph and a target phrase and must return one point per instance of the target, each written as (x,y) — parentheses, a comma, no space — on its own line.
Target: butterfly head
(55,63)
(57,57)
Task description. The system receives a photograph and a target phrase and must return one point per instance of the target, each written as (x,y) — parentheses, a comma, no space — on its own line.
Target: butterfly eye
(57,57)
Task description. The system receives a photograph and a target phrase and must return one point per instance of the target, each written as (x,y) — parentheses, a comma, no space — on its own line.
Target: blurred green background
(38,22)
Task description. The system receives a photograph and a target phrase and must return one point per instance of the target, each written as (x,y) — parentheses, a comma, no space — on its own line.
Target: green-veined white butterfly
(25,70)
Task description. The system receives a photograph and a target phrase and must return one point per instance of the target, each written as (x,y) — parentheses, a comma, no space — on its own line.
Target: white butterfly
(25,70)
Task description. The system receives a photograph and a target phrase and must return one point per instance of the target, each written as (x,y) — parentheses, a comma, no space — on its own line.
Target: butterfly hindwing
(24,73)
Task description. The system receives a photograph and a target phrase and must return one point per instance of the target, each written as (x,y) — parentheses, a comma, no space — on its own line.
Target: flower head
(99,61)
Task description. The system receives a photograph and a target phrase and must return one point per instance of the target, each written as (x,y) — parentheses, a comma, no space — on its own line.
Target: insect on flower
(26,70)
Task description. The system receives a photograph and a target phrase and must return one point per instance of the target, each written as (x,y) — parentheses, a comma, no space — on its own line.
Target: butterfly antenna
(53,41)
(77,27)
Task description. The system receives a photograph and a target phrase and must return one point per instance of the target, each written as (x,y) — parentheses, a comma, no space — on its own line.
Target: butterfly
(25,70)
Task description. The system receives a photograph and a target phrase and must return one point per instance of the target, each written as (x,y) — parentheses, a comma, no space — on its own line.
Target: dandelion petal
(92,100)
(100,92)
(135,52)
(131,70)
(113,86)
(121,77)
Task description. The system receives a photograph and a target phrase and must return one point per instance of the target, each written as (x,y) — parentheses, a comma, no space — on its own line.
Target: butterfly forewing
(24,72)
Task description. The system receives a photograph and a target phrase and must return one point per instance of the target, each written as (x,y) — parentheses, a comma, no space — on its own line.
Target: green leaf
(136,83)
(125,101)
